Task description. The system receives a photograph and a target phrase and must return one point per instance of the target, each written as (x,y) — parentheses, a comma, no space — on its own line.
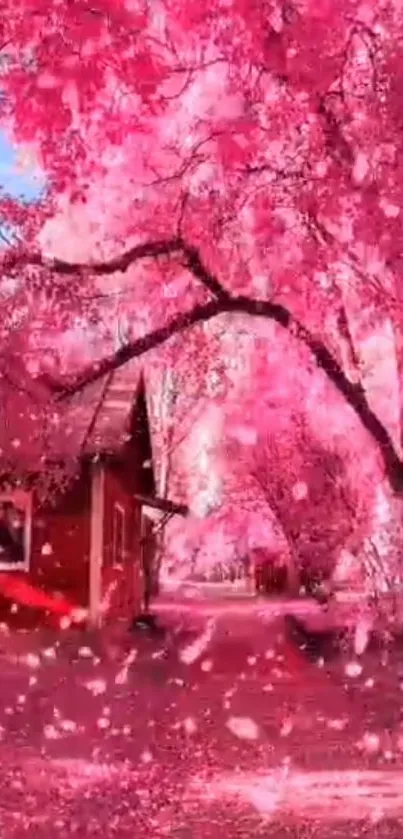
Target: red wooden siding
(59,557)
(65,527)
(123,588)
(122,582)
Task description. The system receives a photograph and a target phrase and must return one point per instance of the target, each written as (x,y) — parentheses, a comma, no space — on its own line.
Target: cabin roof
(98,418)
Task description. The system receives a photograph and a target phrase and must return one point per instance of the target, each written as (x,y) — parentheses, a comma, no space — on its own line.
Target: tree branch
(136,348)
(196,267)
(353,393)
(163,247)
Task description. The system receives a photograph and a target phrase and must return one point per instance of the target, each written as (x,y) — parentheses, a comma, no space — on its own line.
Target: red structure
(93,546)
(272,573)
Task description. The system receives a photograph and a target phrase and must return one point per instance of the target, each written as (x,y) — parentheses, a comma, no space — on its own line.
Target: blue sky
(11,180)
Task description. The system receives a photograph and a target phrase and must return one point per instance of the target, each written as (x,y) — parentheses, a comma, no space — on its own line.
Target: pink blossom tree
(227,179)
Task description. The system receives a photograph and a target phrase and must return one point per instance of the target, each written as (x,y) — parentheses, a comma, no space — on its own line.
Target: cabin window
(118,535)
(15,530)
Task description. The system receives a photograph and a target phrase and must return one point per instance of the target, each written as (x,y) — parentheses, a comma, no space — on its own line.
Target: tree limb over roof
(222,302)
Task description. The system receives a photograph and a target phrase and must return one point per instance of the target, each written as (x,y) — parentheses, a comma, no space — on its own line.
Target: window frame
(118,511)
(27,510)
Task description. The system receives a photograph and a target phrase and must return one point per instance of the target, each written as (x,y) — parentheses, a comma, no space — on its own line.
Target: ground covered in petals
(220,728)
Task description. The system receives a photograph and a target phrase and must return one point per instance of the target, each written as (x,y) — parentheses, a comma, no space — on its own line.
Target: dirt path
(221,729)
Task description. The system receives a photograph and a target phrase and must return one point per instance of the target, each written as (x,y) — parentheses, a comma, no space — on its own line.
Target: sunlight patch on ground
(236,607)
(74,773)
(327,796)
(193,651)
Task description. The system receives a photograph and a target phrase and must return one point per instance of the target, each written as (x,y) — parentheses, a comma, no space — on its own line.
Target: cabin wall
(123,582)
(122,578)
(65,528)
(136,477)
(58,561)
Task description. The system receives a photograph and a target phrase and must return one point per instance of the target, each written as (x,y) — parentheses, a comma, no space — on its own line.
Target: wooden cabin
(91,545)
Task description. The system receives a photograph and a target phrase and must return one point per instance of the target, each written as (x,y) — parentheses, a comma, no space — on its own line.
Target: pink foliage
(250,155)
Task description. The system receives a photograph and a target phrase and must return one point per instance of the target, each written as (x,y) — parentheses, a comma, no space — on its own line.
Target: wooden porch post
(96,544)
